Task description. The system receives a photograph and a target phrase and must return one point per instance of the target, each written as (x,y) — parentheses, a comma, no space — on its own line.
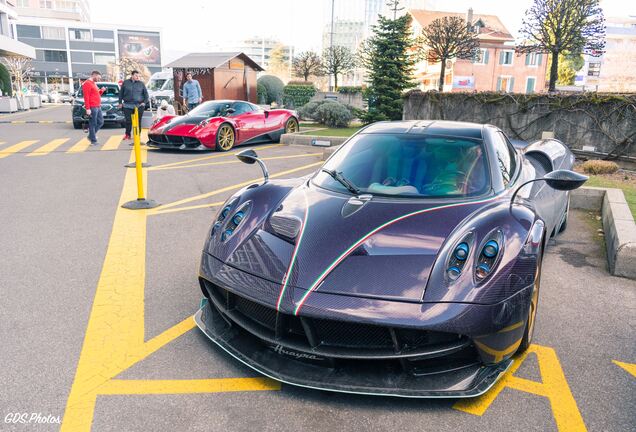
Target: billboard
(144,48)
(463,82)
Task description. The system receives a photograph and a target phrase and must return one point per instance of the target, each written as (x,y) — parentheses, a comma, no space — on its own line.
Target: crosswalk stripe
(112,143)
(48,148)
(80,146)
(16,148)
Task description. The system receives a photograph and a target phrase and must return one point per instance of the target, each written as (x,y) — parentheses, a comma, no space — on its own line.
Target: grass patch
(628,187)
(335,132)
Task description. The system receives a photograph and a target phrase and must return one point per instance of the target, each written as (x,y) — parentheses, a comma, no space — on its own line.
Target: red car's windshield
(210,109)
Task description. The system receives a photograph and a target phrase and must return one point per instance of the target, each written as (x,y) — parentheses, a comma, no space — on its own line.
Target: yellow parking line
(16,148)
(80,146)
(629,367)
(112,143)
(232,162)
(235,186)
(48,147)
(212,385)
(213,156)
(18,122)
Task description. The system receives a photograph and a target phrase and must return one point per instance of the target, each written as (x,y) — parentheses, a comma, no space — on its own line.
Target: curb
(311,140)
(618,225)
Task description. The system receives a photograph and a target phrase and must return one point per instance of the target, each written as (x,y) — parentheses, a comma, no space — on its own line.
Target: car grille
(174,140)
(332,338)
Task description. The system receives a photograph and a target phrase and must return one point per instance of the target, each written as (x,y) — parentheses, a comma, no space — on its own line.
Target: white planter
(34,101)
(24,103)
(8,105)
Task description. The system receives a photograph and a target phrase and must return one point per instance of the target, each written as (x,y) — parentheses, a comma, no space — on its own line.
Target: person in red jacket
(93,105)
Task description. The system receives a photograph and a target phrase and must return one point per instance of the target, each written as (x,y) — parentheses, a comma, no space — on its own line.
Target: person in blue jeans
(93,105)
(192,94)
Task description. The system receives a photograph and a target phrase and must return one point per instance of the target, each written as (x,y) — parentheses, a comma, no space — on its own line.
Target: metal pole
(331,36)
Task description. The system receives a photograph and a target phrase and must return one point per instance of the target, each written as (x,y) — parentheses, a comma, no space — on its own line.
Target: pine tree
(389,63)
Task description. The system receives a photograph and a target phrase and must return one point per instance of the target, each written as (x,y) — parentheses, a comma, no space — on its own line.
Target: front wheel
(564,223)
(225,138)
(291,126)
(534,304)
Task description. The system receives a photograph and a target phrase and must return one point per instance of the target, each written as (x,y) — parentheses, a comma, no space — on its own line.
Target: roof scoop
(354,204)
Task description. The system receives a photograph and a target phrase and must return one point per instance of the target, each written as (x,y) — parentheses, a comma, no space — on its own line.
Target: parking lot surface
(97,325)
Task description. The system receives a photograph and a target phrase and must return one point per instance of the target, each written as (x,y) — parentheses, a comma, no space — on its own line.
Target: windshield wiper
(337,175)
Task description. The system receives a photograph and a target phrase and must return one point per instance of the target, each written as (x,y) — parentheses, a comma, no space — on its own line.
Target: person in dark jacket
(133,94)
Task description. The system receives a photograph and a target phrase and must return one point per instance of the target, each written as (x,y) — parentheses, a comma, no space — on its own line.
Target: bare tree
(19,68)
(557,26)
(447,38)
(338,60)
(125,66)
(306,64)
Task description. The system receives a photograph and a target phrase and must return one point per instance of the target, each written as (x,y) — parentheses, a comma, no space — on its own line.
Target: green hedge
(328,112)
(295,95)
(274,87)
(5,81)
(350,90)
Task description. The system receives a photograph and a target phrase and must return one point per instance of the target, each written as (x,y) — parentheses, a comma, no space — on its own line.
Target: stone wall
(604,123)
(355,100)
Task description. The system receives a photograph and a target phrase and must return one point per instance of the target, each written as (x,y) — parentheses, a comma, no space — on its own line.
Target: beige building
(74,10)
(615,70)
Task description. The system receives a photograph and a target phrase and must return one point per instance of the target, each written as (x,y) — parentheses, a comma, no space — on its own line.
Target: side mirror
(266,114)
(563,180)
(249,156)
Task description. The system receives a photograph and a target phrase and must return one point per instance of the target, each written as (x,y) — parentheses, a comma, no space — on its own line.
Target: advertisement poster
(463,82)
(145,49)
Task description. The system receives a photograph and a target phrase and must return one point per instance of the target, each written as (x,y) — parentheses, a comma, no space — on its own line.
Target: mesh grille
(343,334)
(256,312)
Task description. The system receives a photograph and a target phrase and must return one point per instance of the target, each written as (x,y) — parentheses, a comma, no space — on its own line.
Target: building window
(66,6)
(103,36)
(104,58)
(533,59)
(594,69)
(481,57)
(51,56)
(530,84)
(28,31)
(22,3)
(46,4)
(505,84)
(53,33)
(505,57)
(79,35)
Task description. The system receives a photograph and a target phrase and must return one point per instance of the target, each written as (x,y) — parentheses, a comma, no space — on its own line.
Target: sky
(199,25)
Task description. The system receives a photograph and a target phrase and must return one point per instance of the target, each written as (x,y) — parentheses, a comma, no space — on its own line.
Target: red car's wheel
(291,126)
(225,138)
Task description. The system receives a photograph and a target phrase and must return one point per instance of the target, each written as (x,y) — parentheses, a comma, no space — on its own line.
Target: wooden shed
(221,75)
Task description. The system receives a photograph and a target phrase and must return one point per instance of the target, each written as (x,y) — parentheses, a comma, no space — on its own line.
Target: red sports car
(221,125)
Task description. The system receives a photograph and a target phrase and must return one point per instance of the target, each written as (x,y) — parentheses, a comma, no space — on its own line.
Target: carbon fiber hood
(384,249)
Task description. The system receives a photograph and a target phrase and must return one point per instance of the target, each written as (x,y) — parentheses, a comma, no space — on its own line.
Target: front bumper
(175,142)
(438,378)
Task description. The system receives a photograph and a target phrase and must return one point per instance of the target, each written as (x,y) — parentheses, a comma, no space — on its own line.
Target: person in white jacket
(164,109)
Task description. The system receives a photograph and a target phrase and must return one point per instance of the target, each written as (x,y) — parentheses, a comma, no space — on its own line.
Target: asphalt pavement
(97,304)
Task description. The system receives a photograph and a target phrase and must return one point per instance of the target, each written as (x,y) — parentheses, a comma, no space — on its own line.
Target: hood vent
(286,227)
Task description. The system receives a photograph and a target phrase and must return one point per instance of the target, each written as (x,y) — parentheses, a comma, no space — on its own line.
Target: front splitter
(280,364)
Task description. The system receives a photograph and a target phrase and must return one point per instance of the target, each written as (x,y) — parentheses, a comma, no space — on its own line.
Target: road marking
(80,146)
(213,156)
(554,386)
(233,162)
(112,143)
(629,367)
(115,334)
(18,122)
(48,147)
(235,186)
(212,385)
(16,148)
(178,209)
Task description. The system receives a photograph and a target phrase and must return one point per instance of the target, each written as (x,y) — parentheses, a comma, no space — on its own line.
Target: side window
(241,108)
(505,159)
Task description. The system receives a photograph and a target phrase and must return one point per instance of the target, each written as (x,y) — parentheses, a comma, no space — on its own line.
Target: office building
(74,10)
(9,46)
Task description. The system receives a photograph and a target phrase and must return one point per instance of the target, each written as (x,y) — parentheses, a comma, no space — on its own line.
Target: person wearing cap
(164,109)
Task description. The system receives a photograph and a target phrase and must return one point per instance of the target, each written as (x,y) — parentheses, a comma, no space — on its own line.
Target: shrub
(274,87)
(261,94)
(350,89)
(5,81)
(599,167)
(295,95)
(333,114)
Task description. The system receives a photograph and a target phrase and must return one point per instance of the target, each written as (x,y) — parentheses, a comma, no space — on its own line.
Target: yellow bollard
(141,202)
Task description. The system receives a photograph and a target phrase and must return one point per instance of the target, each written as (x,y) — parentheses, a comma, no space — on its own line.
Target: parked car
(408,265)
(221,125)
(110,99)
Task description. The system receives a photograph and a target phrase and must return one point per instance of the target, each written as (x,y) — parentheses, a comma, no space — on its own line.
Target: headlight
(489,255)
(459,256)
(226,222)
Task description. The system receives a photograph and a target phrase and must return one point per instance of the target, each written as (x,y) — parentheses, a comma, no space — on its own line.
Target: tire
(528,332)
(564,224)
(225,138)
(291,125)
(77,125)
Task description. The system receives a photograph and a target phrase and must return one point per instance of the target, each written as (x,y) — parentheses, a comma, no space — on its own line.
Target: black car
(110,99)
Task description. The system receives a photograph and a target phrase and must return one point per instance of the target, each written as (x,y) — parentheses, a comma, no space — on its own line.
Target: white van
(160,86)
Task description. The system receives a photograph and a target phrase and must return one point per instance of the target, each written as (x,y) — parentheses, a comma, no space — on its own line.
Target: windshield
(410,166)
(111,90)
(210,109)
(156,84)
